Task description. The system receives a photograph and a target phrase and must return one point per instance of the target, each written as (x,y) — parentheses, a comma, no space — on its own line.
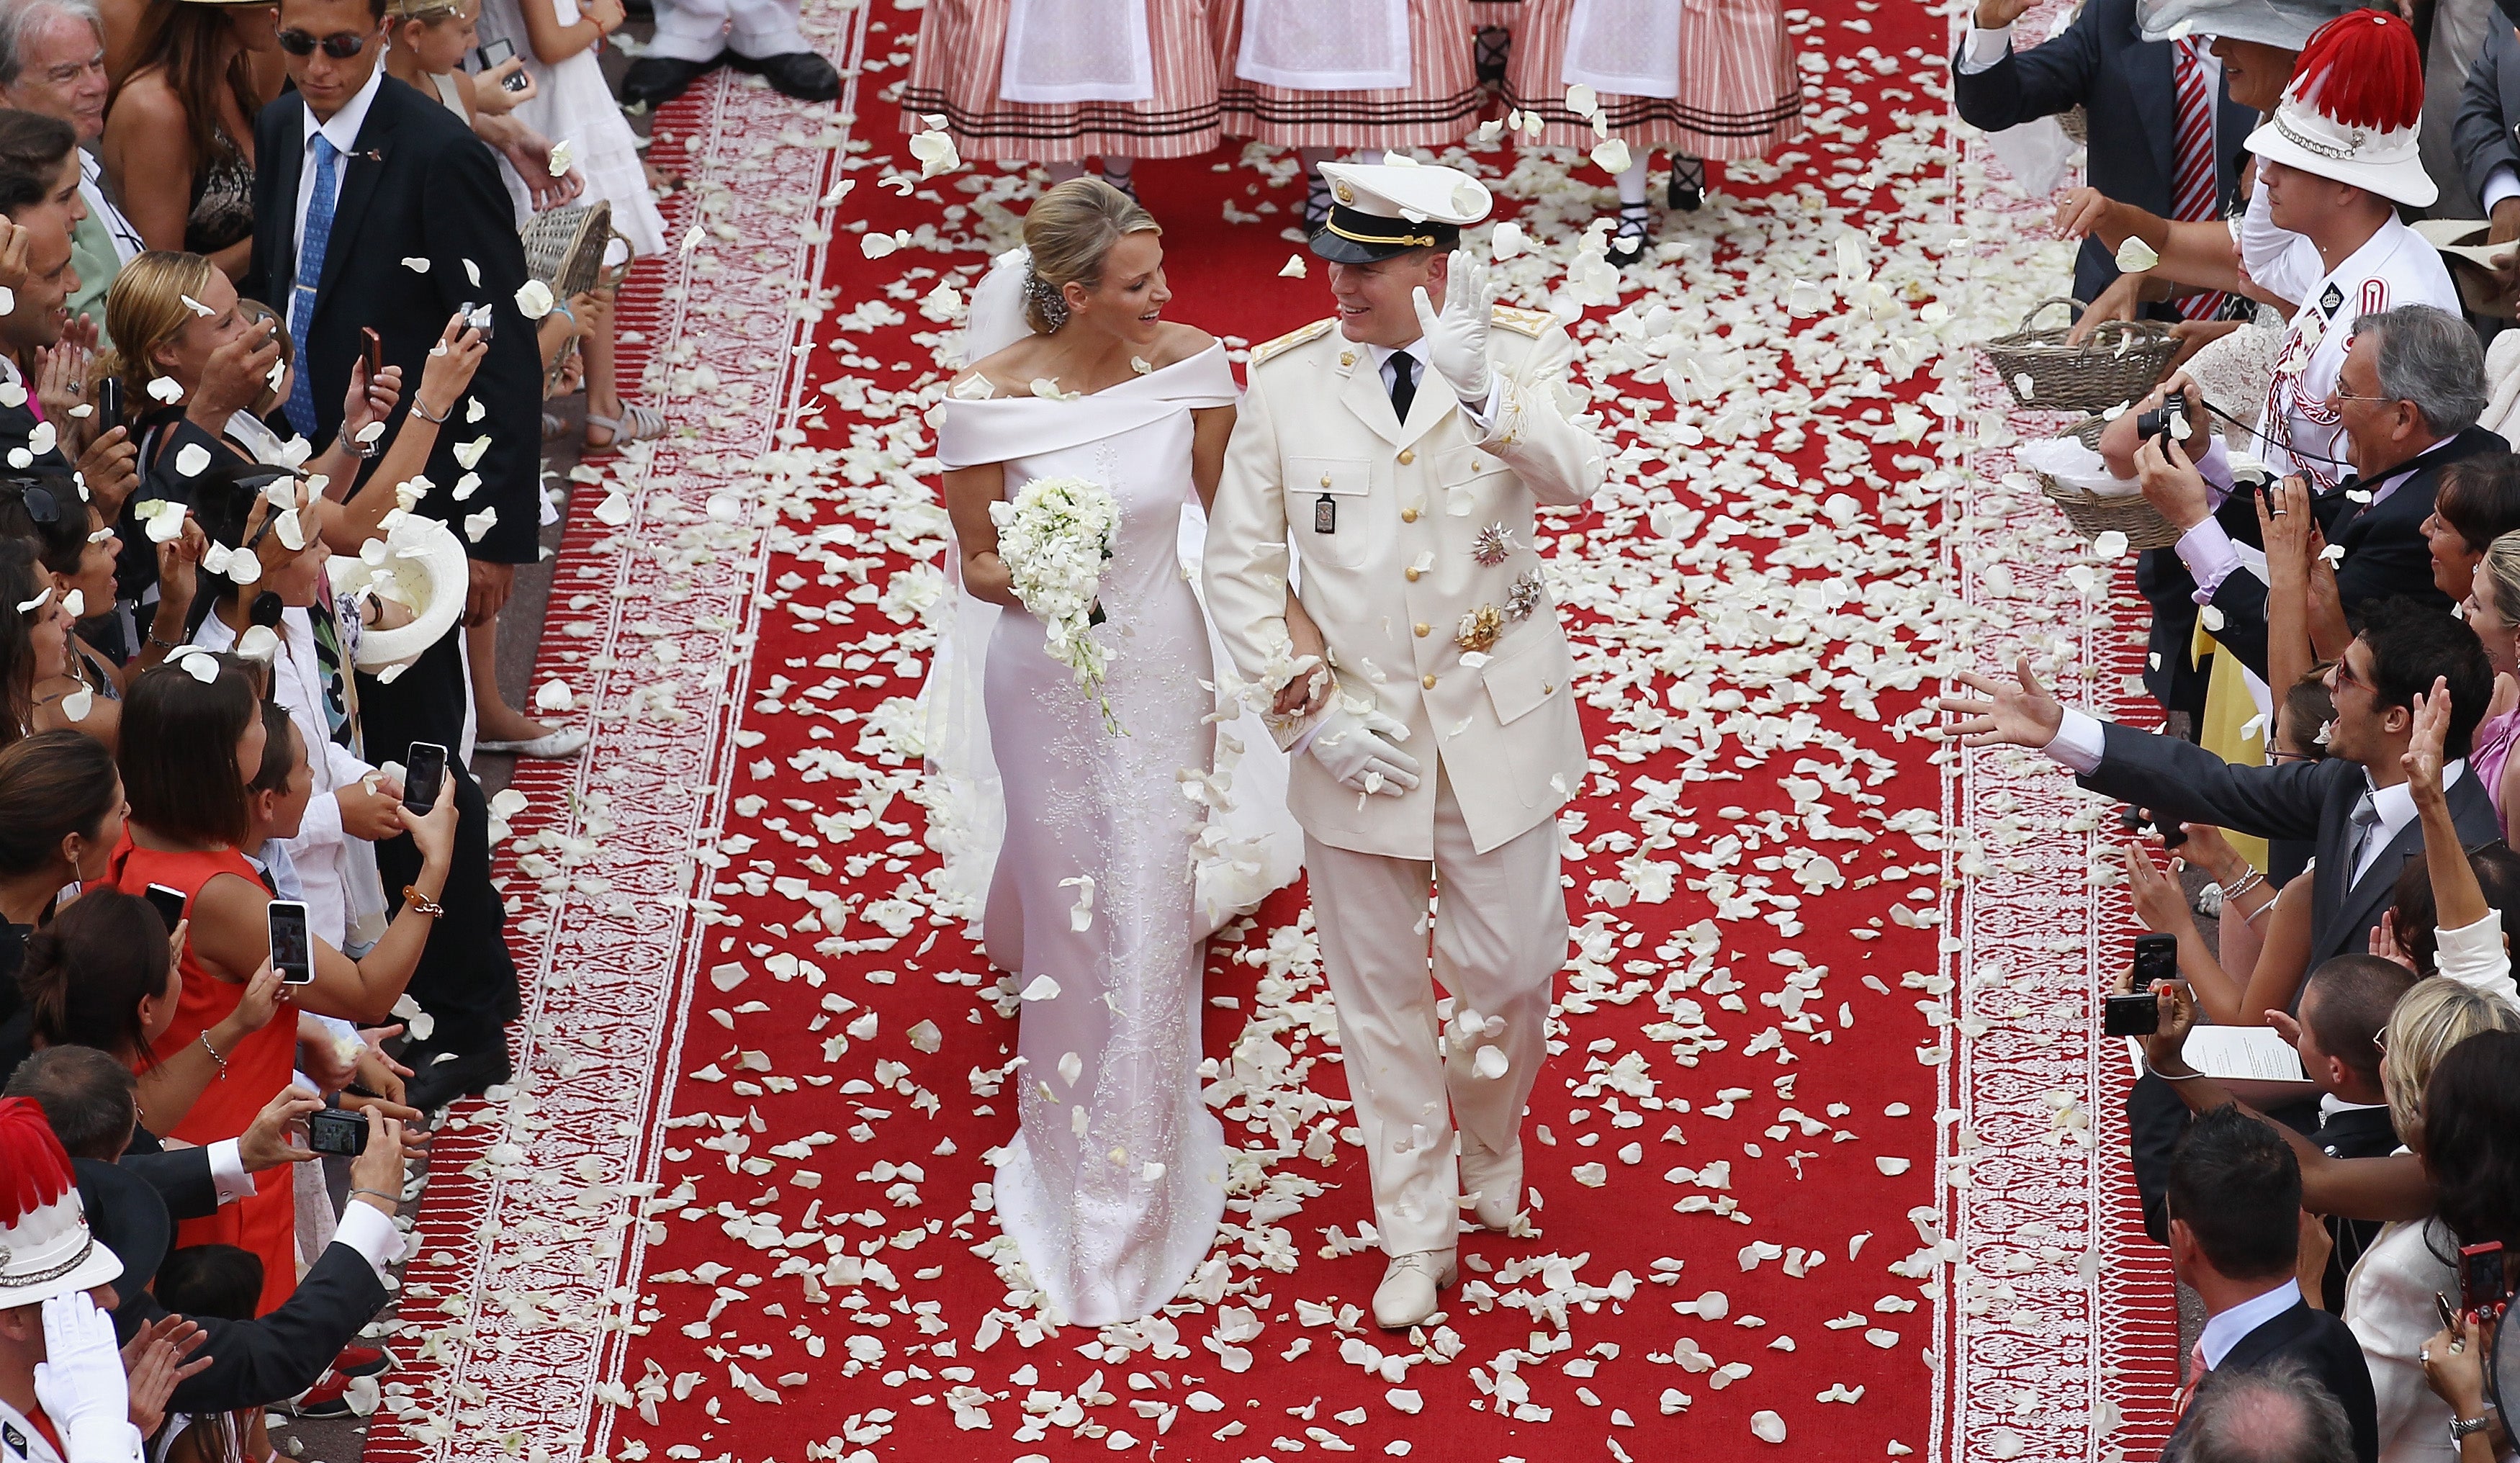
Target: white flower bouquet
(1054,538)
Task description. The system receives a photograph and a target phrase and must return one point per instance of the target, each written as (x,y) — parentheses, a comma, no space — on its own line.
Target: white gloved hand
(1362,752)
(81,1385)
(1457,341)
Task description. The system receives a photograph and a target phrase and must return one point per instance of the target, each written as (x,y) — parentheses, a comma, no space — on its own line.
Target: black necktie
(1404,383)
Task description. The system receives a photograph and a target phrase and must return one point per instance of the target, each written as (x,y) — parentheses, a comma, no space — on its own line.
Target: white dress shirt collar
(342,127)
(2397,809)
(1416,350)
(2224,1332)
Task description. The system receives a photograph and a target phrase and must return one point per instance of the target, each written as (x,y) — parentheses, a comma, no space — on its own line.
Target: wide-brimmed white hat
(419,564)
(2352,110)
(2286,24)
(45,1247)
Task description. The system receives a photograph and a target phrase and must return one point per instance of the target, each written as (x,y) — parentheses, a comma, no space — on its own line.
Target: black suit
(2385,552)
(2354,1133)
(2487,106)
(2315,799)
(2125,83)
(419,184)
(2328,1351)
(254,1364)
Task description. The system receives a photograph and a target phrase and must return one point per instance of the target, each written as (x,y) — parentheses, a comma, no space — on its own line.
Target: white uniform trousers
(1500,939)
(702,30)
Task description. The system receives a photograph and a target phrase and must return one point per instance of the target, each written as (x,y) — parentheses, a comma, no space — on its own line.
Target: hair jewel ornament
(1048,300)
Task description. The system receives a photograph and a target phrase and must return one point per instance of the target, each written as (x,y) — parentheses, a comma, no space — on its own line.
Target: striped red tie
(2191,194)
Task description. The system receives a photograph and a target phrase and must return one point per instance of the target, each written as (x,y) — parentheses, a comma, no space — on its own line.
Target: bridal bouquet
(1054,538)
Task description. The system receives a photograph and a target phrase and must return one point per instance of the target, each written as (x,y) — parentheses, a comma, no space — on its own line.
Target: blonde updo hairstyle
(144,309)
(2500,584)
(1070,232)
(2436,1015)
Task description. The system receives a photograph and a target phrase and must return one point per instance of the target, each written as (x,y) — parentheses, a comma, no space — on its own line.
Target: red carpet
(728,1213)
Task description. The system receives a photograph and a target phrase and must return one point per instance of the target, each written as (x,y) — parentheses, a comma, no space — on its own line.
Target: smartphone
(494,55)
(108,403)
(335,1133)
(2481,1290)
(2140,820)
(293,950)
(2137,1015)
(2448,1318)
(168,902)
(375,347)
(2157,959)
(424,775)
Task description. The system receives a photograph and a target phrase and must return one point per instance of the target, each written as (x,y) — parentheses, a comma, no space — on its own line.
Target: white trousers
(702,30)
(1500,939)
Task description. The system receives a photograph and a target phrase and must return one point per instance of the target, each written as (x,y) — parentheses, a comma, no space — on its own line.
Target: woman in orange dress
(193,738)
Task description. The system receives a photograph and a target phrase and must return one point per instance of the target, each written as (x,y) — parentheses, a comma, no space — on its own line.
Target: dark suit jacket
(2315,799)
(2102,64)
(2328,1352)
(254,1364)
(418,184)
(2356,1133)
(2385,553)
(2487,106)
(17,424)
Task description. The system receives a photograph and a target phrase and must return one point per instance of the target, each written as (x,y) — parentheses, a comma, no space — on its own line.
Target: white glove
(1457,342)
(1362,751)
(80,1382)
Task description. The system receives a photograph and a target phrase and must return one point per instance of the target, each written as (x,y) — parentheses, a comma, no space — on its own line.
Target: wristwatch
(2460,1429)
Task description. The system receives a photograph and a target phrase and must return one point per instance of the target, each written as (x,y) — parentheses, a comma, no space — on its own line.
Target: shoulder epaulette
(1522,322)
(1292,338)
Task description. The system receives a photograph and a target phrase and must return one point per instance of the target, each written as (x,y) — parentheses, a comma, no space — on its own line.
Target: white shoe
(566,742)
(1494,1186)
(1410,1282)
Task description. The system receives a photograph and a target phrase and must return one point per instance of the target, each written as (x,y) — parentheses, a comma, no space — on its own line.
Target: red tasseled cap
(34,1169)
(2362,69)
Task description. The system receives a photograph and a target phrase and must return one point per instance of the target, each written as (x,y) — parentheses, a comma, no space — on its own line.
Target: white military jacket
(1418,565)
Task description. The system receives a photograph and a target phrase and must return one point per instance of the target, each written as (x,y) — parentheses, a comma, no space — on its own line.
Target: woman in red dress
(193,736)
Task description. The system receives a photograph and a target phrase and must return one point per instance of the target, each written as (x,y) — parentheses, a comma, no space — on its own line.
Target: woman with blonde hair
(2492,611)
(1087,899)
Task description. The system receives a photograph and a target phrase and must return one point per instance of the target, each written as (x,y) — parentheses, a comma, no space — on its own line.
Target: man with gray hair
(2406,402)
(52,61)
(2273,1413)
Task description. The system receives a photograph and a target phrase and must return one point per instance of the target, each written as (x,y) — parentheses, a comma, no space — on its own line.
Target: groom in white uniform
(1399,449)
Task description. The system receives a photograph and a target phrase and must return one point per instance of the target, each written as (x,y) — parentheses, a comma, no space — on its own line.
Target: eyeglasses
(2339,394)
(2279,759)
(340,46)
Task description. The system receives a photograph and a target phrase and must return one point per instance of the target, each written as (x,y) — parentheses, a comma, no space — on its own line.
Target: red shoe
(362,1362)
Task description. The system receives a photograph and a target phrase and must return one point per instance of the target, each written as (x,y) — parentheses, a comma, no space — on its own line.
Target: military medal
(1326,514)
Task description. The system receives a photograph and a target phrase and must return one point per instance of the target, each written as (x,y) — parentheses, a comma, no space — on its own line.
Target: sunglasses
(340,46)
(41,505)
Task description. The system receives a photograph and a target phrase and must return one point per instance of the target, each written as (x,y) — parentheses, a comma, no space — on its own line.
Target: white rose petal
(1766,1427)
(533,300)
(415,263)
(1296,268)
(2135,256)
(477,524)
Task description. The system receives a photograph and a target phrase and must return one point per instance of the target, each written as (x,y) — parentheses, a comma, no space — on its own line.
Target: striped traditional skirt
(961,54)
(1440,104)
(1739,96)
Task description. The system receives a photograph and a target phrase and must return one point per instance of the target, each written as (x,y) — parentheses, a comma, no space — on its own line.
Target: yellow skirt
(2226,731)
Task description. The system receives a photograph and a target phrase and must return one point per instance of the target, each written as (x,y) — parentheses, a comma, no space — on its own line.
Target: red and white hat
(2352,107)
(45,1247)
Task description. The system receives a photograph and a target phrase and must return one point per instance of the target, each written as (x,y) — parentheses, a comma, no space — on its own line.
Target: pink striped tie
(2191,194)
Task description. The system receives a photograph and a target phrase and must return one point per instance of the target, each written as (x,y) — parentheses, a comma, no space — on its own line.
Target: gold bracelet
(413,898)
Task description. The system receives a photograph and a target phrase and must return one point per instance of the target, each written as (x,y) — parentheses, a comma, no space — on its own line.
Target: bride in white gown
(1114,1183)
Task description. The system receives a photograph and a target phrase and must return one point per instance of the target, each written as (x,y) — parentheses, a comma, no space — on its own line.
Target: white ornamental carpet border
(2064,1340)
(529,1241)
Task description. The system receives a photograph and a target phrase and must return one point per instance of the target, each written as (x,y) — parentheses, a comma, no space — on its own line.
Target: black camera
(2142,820)
(335,1133)
(2157,959)
(2155,424)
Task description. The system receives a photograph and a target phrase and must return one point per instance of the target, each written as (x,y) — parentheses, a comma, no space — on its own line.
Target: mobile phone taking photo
(423,776)
(293,950)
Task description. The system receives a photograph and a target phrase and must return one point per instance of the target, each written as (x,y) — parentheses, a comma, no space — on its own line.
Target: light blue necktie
(310,273)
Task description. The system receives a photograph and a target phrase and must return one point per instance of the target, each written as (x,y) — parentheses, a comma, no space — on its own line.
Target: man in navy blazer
(2354,803)
(2234,1235)
(2102,64)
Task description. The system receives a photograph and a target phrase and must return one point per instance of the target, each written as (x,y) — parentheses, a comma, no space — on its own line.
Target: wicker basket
(2076,123)
(2092,514)
(2120,362)
(564,248)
